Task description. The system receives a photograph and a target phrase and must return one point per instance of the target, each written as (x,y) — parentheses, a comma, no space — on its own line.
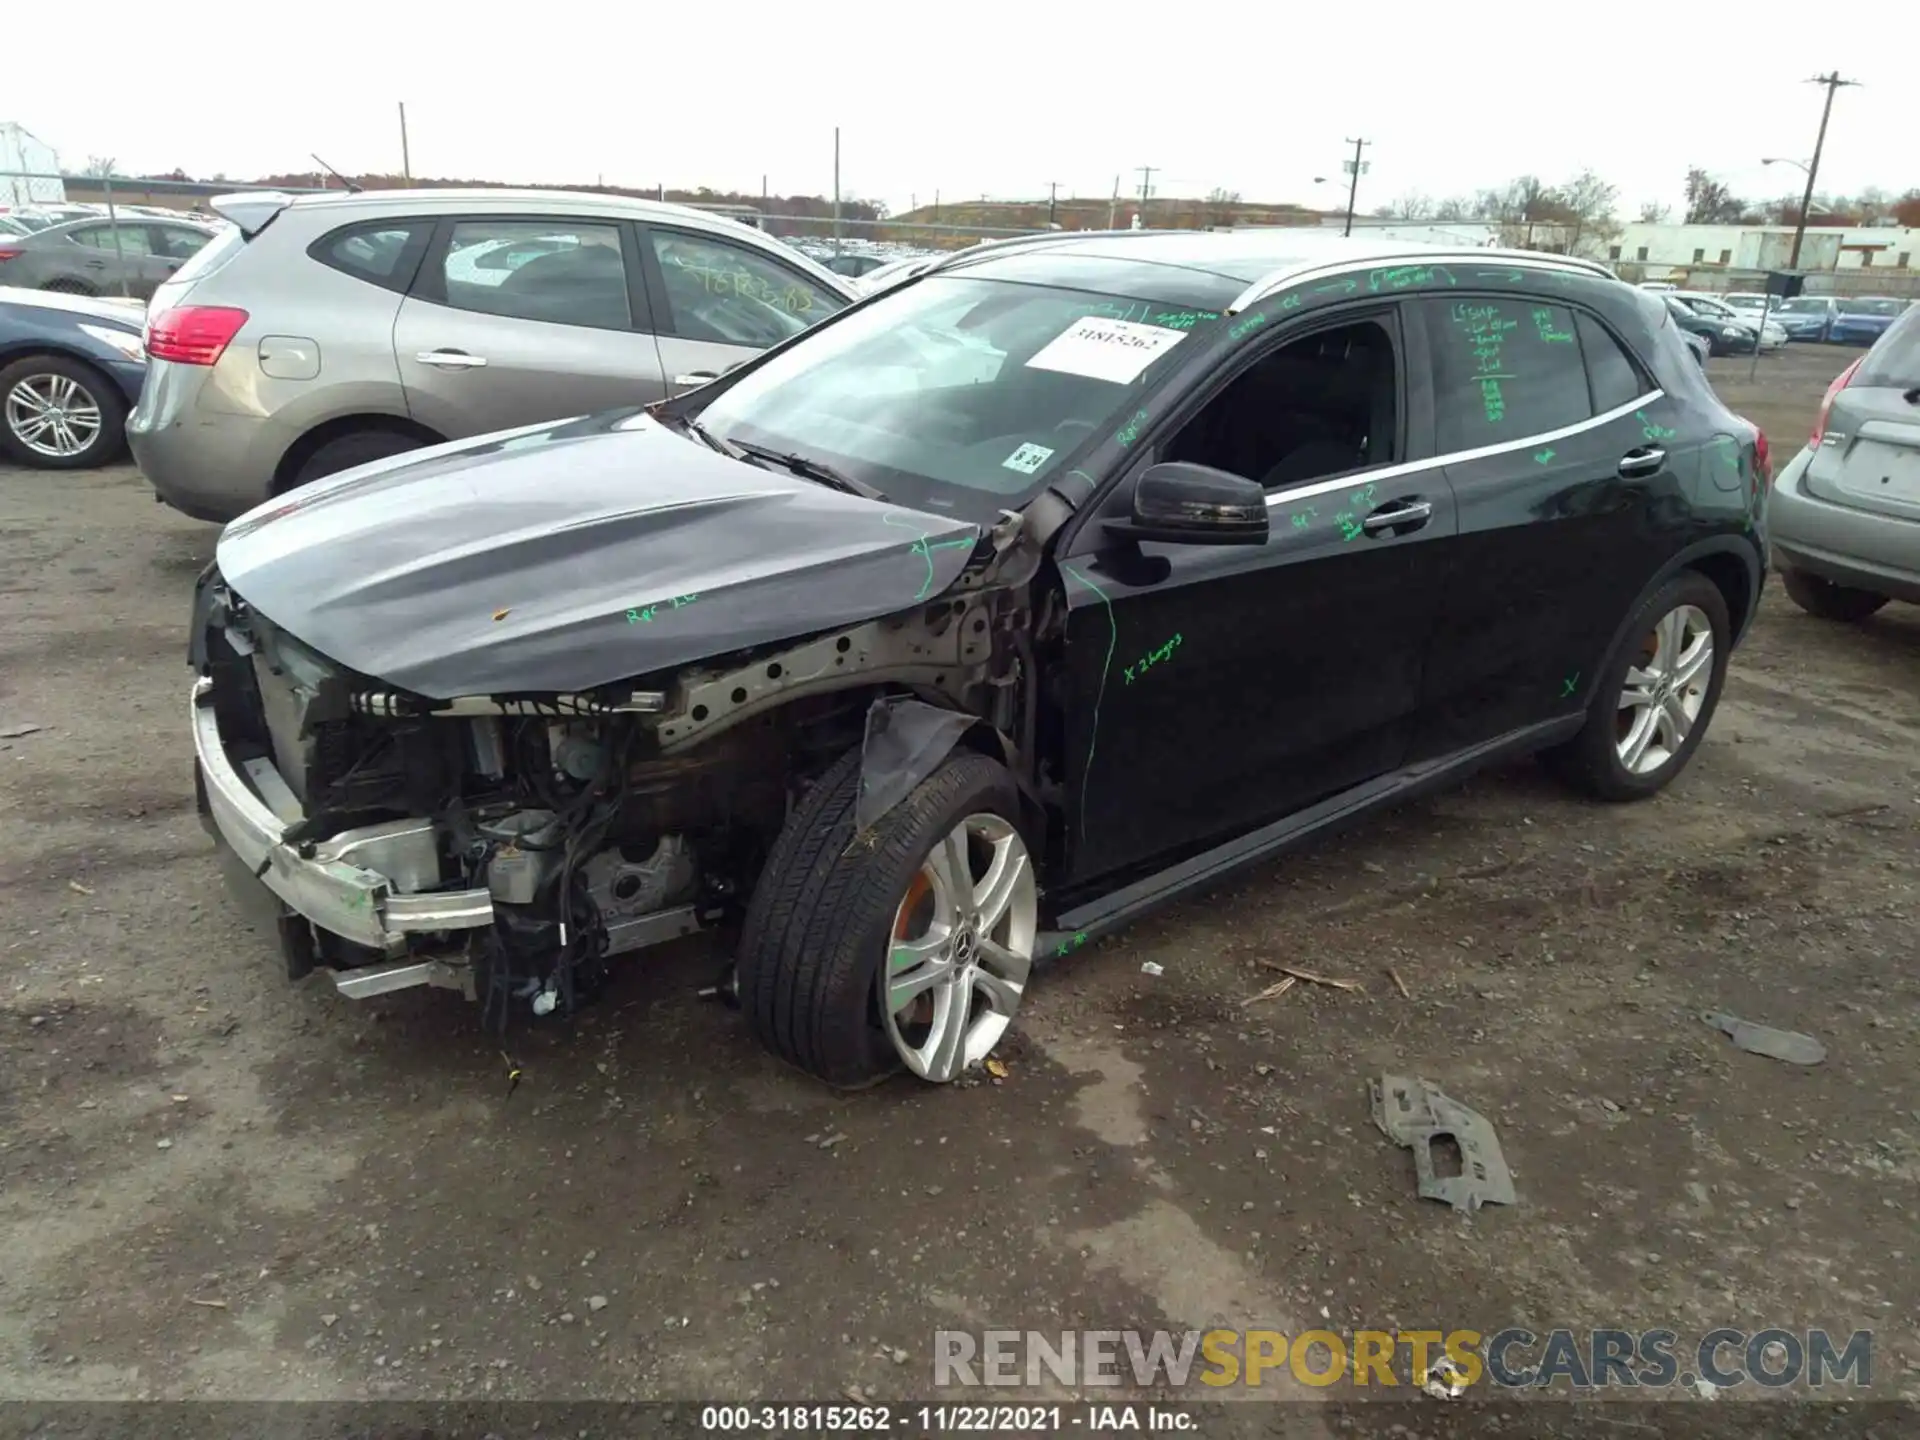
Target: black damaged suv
(1005,605)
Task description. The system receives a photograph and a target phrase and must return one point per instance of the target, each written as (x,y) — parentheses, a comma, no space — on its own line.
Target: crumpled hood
(561,557)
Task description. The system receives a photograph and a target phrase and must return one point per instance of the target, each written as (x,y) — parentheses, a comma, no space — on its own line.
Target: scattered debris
(1445,1380)
(329,1321)
(596,1302)
(78,888)
(14,732)
(996,1069)
(1399,984)
(1153,968)
(833,1139)
(1788,1045)
(163,1144)
(1415,1114)
(1272,992)
(179,1099)
(500,615)
(207,1304)
(1310,978)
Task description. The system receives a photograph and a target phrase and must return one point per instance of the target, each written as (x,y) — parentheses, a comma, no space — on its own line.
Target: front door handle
(96,264)
(697,377)
(1640,463)
(451,359)
(1398,515)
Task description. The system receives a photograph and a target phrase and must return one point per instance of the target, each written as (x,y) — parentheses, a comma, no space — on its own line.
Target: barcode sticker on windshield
(1027,459)
(1101,349)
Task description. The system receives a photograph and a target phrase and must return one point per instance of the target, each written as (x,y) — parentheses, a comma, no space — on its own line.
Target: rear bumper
(350,885)
(210,465)
(1851,547)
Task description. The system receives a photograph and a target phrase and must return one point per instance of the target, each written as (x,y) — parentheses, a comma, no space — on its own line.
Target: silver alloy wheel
(53,415)
(962,949)
(1664,691)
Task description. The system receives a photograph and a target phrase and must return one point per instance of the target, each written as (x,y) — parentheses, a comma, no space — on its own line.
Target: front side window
(1803,305)
(1504,369)
(958,394)
(563,272)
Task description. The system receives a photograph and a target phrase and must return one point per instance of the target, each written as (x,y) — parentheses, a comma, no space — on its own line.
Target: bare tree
(1654,213)
(1587,204)
(1411,206)
(1709,202)
(1220,206)
(1454,207)
(99,165)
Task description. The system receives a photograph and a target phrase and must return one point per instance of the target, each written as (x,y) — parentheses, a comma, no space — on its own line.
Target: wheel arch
(1730,562)
(310,441)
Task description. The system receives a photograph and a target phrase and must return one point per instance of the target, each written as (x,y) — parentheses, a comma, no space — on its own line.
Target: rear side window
(382,252)
(1504,369)
(560,271)
(1615,379)
(1894,360)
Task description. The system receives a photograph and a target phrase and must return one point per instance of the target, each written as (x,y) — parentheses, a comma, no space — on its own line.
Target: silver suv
(324,331)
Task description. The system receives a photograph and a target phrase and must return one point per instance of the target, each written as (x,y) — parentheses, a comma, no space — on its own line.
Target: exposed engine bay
(568,829)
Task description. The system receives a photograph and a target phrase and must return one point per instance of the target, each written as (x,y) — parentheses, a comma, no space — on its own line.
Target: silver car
(129,256)
(324,331)
(1845,513)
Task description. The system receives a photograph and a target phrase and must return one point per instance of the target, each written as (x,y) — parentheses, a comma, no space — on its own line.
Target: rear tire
(357,447)
(1826,600)
(91,431)
(1655,700)
(832,917)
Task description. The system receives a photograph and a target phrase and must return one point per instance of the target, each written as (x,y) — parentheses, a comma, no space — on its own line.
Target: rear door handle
(1398,515)
(1639,464)
(451,359)
(697,377)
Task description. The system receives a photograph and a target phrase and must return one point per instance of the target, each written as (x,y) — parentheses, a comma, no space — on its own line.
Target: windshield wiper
(712,441)
(813,470)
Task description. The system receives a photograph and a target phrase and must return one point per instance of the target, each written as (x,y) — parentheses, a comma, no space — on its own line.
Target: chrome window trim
(1459,457)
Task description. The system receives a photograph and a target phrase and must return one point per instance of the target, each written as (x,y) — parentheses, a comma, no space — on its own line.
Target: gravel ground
(215,1185)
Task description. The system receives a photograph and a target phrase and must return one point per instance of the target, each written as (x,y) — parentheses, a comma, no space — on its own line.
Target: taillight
(1826,401)
(193,334)
(8,254)
(1762,456)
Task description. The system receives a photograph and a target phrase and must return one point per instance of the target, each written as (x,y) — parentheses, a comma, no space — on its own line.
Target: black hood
(567,556)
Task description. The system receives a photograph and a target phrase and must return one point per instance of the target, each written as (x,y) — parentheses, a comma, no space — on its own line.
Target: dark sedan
(1723,337)
(70,370)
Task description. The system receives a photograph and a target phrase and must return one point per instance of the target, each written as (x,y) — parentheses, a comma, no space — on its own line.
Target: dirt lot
(216,1185)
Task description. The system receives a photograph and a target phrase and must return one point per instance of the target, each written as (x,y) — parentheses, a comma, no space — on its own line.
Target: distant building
(1657,249)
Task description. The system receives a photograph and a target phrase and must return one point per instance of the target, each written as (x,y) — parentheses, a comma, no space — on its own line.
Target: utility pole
(1146,191)
(1833,82)
(1354,166)
(406,160)
(836,189)
(936,205)
(1053,192)
(1113,205)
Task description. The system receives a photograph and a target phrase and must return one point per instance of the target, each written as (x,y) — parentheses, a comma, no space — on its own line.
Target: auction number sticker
(1102,349)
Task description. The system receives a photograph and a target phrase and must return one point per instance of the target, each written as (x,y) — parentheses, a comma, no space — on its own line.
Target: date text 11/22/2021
(945,1419)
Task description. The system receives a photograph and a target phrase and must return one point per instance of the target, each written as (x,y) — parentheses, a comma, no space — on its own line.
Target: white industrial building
(1662,248)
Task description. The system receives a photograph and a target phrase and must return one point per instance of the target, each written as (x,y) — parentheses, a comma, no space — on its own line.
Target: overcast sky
(986,96)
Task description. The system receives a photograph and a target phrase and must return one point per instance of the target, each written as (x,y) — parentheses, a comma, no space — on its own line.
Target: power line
(1833,82)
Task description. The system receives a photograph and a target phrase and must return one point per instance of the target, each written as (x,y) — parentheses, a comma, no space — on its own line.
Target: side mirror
(1181,504)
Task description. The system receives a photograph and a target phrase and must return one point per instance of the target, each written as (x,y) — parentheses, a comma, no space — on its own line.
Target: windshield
(1872,307)
(1804,305)
(955,394)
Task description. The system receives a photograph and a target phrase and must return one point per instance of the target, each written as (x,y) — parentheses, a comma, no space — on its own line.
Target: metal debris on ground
(1788,1045)
(1153,968)
(14,732)
(1272,992)
(1445,1380)
(1414,1114)
(1308,977)
(78,888)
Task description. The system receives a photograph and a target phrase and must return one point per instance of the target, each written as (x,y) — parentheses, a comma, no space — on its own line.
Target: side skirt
(1098,918)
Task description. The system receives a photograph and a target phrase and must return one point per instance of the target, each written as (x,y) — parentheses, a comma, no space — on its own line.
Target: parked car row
(128,256)
(1725,331)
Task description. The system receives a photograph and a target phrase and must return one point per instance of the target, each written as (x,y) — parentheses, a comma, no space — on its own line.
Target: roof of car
(467,198)
(1255,259)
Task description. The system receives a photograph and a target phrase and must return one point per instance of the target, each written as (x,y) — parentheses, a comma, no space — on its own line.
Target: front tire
(1653,704)
(58,414)
(908,946)
(1826,600)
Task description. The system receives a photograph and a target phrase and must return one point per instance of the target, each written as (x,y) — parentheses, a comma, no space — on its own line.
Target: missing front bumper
(330,883)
